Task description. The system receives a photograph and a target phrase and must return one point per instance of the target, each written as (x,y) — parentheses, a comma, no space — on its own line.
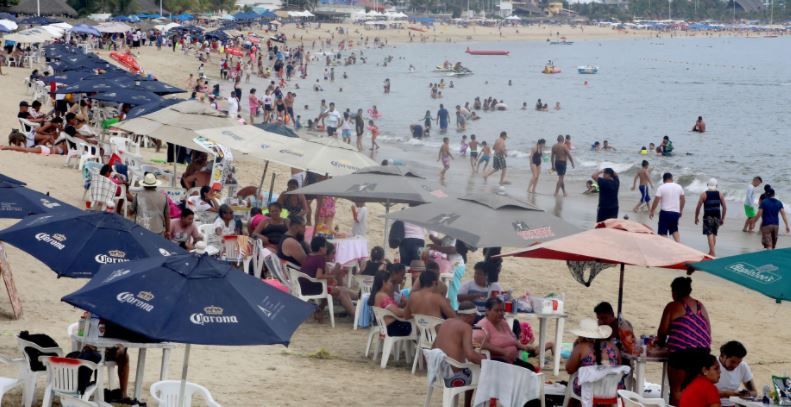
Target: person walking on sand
(711,201)
(645,182)
(445,156)
(749,204)
(473,152)
(670,199)
(609,184)
(359,127)
(536,156)
(560,156)
(769,211)
(498,162)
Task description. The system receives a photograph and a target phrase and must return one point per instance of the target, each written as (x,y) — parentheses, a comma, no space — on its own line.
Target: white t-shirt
(347,125)
(470,287)
(267,100)
(414,232)
(671,194)
(448,241)
(749,198)
(233,107)
(332,119)
(360,228)
(733,379)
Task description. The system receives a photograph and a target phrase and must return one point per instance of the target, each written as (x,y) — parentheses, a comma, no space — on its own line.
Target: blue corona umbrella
(18,201)
(192,299)
(151,107)
(133,97)
(77,244)
(9,180)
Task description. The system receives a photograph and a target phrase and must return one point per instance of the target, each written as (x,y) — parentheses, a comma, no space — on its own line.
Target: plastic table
(543,319)
(638,363)
(104,343)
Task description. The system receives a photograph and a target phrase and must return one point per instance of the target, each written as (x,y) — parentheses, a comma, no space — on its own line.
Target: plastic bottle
(93,328)
(82,326)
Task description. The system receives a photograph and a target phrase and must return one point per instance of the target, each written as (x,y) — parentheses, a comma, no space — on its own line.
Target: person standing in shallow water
(560,156)
(444,156)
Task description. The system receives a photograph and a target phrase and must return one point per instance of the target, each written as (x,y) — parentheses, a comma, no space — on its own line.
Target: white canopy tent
(166,27)
(9,25)
(113,28)
(30,36)
(100,16)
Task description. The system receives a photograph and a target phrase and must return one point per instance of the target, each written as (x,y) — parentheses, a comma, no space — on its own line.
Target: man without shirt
(454,337)
(560,155)
(426,301)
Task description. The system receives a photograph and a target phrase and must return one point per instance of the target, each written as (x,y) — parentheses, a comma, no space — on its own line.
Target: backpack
(396,234)
(42,340)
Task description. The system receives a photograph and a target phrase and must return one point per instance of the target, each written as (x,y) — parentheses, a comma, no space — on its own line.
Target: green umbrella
(767,271)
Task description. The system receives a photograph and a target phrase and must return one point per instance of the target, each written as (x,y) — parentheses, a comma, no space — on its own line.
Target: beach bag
(396,235)
(42,340)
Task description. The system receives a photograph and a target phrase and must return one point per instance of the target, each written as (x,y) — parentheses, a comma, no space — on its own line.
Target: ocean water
(645,89)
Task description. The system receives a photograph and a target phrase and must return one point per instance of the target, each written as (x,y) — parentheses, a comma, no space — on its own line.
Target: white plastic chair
(7,383)
(166,394)
(69,401)
(209,235)
(365,290)
(296,290)
(25,124)
(605,390)
(426,333)
(499,380)
(449,393)
(71,331)
(80,149)
(63,378)
(632,399)
(275,268)
(29,377)
(258,257)
(391,343)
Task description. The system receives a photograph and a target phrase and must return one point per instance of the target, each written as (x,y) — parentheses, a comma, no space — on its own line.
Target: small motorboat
(440,68)
(587,69)
(562,41)
(464,72)
(550,69)
(487,52)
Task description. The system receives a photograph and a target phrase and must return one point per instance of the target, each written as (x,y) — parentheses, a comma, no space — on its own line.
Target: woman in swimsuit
(18,142)
(382,297)
(686,331)
(271,230)
(427,119)
(591,348)
(536,156)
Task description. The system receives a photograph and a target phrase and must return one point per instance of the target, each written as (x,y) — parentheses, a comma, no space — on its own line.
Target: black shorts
(687,358)
(399,328)
(267,108)
(606,213)
(711,224)
(668,222)
(331,131)
(560,168)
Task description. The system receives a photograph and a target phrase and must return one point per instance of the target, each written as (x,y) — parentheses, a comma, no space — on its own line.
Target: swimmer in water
(591,187)
(607,147)
(700,125)
(445,156)
(596,146)
(524,105)
(643,151)
(557,105)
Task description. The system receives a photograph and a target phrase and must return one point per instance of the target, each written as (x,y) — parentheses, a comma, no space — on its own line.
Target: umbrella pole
(175,161)
(183,386)
(263,176)
(387,211)
(271,187)
(620,292)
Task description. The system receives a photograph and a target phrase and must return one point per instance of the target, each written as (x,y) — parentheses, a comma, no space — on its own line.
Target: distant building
(267,4)
(506,8)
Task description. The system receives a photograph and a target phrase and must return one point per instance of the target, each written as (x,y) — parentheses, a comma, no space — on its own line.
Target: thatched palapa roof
(48,8)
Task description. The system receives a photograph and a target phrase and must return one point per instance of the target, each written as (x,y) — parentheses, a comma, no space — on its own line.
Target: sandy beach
(324,365)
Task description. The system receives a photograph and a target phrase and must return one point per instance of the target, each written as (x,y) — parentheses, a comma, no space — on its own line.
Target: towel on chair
(455,285)
(598,381)
(366,314)
(435,365)
(511,385)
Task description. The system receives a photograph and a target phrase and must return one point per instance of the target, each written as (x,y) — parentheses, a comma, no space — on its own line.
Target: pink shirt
(253,102)
(503,337)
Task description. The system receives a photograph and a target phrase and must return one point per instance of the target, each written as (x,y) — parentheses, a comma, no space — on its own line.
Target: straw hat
(150,181)
(591,329)
(417,265)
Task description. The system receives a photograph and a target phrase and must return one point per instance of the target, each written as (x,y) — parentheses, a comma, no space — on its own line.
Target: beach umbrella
(18,201)
(8,25)
(192,299)
(487,220)
(177,124)
(85,29)
(38,20)
(77,243)
(133,97)
(151,107)
(616,241)
(7,16)
(108,83)
(113,28)
(277,129)
(766,271)
(8,180)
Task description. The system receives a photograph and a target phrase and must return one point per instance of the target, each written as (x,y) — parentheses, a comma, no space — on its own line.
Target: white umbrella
(30,36)
(55,31)
(8,25)
(167,27)
(65,26)
(113,28)
(513,18)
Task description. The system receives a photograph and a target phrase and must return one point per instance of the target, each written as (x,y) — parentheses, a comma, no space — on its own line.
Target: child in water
(463,146)
(591,188)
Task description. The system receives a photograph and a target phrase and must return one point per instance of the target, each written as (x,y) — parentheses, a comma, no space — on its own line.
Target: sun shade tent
(616,241)
(192,299)
(487,220)
(767,272)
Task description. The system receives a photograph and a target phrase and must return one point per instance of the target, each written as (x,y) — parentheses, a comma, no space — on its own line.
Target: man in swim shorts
(443,118)
(560,155)
(445,156)
(454,338)
(645,182)
(498,162)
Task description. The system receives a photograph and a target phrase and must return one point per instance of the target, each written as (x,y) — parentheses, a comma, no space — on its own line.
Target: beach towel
(435,365)
(599,382)
(366,313)
(455,285)
(511,385)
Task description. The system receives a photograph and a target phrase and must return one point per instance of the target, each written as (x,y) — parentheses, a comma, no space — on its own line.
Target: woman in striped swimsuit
(686,331)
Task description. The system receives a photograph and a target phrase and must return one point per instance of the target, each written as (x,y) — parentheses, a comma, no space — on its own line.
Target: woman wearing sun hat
(592,347)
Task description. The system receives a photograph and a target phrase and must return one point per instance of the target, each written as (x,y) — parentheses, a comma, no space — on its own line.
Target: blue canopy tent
(268,14)
(184,17)
(40,20)
(144,16)
(246,16)
(77,244)
(126,19)
(7,16)
(85,29)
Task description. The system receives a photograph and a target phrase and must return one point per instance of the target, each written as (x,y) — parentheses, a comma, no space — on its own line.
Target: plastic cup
(509,306)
